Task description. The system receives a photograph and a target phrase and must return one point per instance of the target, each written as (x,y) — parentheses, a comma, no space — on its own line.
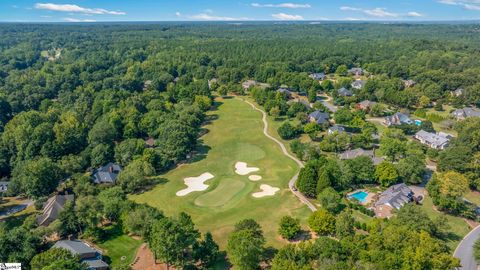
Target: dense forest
(75,97)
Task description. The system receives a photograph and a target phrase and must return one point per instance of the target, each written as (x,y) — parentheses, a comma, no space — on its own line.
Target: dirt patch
(144,260)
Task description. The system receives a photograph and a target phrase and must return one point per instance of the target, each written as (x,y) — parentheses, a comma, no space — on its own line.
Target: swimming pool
(361,196)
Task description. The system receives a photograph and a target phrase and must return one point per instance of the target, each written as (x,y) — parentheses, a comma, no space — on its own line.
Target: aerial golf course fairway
(235,135)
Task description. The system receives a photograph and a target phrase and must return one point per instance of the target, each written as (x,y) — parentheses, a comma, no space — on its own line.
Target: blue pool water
(360,196)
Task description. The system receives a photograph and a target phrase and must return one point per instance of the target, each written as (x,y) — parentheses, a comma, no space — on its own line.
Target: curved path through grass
(291,183)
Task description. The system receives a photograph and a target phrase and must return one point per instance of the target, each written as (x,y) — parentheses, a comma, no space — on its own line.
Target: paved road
(291,184)
(326,103)
(464,250)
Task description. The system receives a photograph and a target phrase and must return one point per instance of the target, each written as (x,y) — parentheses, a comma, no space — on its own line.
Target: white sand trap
(255,177)
(195,184)
(241,168)
(266,191)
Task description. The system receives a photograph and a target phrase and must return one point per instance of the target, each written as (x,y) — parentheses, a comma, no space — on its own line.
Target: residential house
(438,140)
(150,142)
(359,152)
(52,209)
(3,186)
(106,174)
(211,82)
(365,105)
(397,119)
(356,71)
(248,83)
(319,117)
(286,91)
(395,197)
(458,92)
(344,92)
(146,84)
(461,114)
(409,83)
(358,84)
(91,256)
(318,76)
(336,128)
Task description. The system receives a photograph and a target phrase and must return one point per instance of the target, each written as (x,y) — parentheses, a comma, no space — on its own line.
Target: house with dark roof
(358,84)
(356,71)
(359,152)
(319,117)
(286,91)
(397,119)
(438,140)
(336,128)
(52,209)
(344,92)
(395,197)
(461,114)
(3,186)
(106,174)
(365,105)
(318,76)
(91,256)
(150,142)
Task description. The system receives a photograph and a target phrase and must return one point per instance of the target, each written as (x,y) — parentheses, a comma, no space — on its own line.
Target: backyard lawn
(458,227)
(235,135)
(118,245)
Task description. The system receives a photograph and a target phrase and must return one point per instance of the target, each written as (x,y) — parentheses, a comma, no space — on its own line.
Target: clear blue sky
(225,10)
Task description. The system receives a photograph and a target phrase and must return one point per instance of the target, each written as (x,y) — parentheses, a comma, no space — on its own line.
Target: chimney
(110,169)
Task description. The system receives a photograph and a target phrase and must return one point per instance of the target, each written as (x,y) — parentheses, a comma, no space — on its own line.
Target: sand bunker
(195,184)
(241,168)
(255,177)
(266,191)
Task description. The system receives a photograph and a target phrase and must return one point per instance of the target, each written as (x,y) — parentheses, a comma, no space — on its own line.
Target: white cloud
(287,17)
(376,12)
(75,8)
(178,14)
(45,16)
(466,4)
(210,17)
(281,5)
(77,20)
(414,14)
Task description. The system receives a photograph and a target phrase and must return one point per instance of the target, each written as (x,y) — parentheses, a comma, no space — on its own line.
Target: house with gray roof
(461,114)
(286,91)
(336,128)
(359,152)
(366,105)
(3,186)
(319,117)
(52,209)
(344,92)
(358,84)
(458,92)
(395,197)
(318,76)
(438,140)
(106,174)
(397,119)
(356,71)
(91,256)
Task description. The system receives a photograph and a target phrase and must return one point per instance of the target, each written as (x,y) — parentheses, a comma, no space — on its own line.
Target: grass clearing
(458,227)
(237,135)
(118,245)
(473,196)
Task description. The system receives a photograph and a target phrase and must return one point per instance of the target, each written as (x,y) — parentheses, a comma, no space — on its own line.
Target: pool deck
(368,199)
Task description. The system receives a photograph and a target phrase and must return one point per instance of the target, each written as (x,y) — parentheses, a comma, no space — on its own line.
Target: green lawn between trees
(235,134)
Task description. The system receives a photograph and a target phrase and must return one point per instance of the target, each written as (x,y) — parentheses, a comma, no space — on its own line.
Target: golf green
(235,134)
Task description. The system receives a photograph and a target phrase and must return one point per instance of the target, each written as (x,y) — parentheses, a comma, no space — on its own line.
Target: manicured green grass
(473,196)
(458,227)
(118,245)
(237,135)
